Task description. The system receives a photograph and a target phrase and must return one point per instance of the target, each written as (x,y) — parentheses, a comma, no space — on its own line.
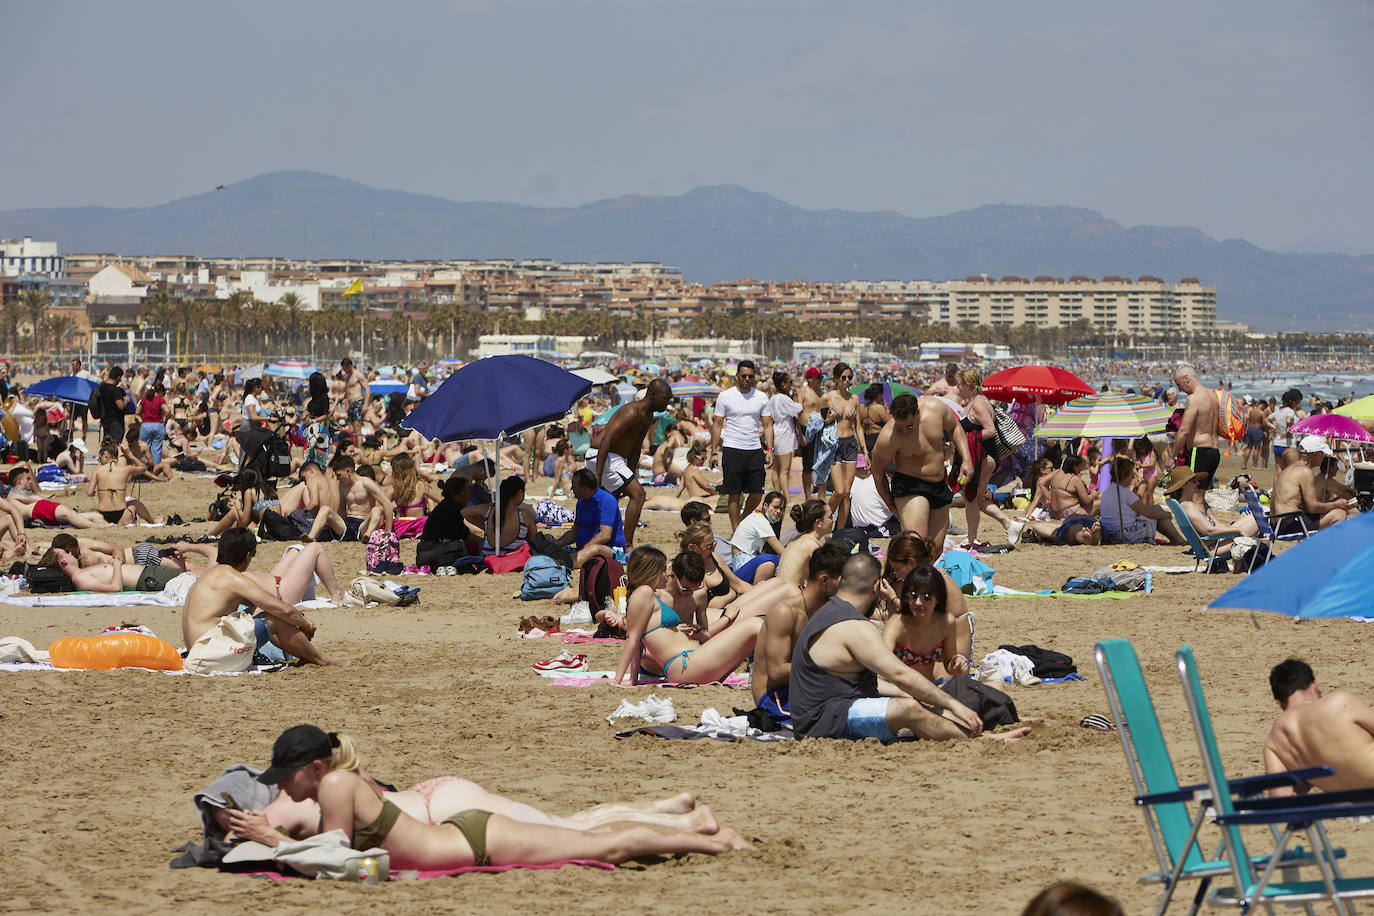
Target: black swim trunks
(1206,460)
(807,450)
(936,492)
(847,450)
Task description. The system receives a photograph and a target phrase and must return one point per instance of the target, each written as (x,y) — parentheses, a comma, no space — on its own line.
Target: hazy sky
(1252,119)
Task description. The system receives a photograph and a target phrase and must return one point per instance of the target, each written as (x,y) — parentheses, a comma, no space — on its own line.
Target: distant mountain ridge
(716,233)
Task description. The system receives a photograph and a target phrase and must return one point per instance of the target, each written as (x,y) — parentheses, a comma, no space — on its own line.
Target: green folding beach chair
(1173,828)
(1197,543)
(1293,815)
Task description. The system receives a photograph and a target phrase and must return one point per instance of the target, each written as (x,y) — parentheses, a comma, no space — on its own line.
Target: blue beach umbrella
(382,386)
(1329,574)
(70,388)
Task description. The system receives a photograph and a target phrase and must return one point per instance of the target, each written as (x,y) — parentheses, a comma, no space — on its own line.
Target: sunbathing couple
(452,823)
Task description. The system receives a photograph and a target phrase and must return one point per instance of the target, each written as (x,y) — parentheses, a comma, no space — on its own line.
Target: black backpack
(43,580)
(94,406)
(1047,662)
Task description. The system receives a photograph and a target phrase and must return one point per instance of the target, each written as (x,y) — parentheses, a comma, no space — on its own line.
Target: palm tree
(60,327)
(291,302)
(36,302)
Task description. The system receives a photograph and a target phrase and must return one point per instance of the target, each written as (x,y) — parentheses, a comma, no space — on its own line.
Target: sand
(101,766)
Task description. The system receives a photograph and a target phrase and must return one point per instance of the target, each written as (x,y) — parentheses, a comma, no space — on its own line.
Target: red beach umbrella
(1028,384)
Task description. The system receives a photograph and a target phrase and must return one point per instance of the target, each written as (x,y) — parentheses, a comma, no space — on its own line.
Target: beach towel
(972,575)
(587,678)
(713,725)
(422,874)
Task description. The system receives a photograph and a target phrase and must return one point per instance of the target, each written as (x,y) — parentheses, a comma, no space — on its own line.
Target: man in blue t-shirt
(597,527)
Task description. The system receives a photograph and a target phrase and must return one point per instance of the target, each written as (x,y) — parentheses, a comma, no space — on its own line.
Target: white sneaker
(579,615)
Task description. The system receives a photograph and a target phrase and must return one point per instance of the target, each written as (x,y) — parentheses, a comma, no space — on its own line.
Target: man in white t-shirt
(735,432)
(1286,415)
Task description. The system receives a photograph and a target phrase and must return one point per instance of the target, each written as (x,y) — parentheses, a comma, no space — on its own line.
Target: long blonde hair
(644,565)
(692,535)
(404,479)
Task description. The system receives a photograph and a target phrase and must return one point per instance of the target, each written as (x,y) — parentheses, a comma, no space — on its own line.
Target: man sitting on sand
(218,625)
(834,679)
(788,610)
(1295,490)
(362,502)
(1335,730)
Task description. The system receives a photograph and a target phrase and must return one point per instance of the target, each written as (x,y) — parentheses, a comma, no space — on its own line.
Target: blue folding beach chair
(1294,814)
(1268,522)
(1197,543)
(1172,826)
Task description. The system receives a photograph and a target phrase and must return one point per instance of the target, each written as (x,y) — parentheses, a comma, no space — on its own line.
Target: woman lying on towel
(665,625)
(309,764)
(435,800)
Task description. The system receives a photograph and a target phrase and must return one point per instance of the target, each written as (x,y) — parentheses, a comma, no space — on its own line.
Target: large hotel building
(1144,306)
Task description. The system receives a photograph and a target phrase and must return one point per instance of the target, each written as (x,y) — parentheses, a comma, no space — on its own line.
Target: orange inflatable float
(114,650)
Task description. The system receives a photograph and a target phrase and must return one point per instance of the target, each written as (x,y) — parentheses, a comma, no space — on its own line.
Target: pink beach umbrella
(1332,426)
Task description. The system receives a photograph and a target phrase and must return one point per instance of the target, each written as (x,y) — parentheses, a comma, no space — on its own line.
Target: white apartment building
(29,257)
(1144,306)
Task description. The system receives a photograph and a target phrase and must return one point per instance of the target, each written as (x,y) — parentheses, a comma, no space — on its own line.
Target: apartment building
(1147,305)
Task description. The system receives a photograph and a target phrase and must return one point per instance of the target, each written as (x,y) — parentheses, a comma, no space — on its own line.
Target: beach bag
(1087,585)
(508,562)
(1230,416)
(541,545)
(272,526)
(190,466)
(1009,436)
(544,578)
(600,576)
(435,554)
(93,405)
(383,552)
(1048,663)
(853,540)
(43,580)
(992,705)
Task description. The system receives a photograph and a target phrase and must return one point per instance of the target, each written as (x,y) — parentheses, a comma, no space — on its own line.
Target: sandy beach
(101,766)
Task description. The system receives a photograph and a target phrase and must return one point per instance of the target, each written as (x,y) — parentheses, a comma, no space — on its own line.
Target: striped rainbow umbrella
(1106,416)
(291,368)
(694,389)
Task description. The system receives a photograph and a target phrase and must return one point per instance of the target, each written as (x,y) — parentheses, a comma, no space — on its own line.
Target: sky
(1247,119)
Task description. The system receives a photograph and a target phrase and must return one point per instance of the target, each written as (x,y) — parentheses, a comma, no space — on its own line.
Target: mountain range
(716,233)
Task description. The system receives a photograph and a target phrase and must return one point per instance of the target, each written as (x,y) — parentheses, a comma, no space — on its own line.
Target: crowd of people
(843,646)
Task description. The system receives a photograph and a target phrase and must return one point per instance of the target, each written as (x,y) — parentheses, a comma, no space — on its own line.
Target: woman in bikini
(814,525)
(873,415)
(109,485)
(720,583)
(307,764)
(517,519)
(843,415)
(435,800)
(671,636)
(412,497)
(907,551)
(922,632)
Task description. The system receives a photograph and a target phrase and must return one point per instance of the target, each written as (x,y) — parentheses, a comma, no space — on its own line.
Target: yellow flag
(354,288)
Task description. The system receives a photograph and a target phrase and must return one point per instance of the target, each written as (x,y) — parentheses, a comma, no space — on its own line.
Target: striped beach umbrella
(291,368)
(1106,416)
(694,389)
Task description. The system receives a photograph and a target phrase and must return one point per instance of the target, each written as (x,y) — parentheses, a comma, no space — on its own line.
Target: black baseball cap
(297,746)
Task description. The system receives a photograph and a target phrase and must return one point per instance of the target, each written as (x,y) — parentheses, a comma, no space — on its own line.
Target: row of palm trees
(241,324)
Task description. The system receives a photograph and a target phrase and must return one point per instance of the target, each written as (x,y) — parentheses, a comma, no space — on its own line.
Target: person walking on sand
(619,447)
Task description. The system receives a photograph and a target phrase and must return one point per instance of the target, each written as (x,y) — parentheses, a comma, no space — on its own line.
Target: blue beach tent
(1330,574)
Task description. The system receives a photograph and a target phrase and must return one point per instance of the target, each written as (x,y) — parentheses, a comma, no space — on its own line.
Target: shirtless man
(947,386)
(1295,490)
(312,505)
(1257,426)
(619,447)
(354,395)
(1335,730)
(811,396)
(1197,432)
(362,502)
(788,611)
(215,606)
(914,438)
